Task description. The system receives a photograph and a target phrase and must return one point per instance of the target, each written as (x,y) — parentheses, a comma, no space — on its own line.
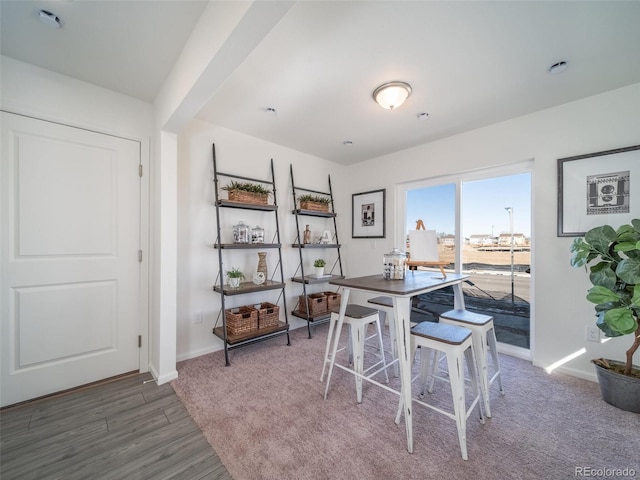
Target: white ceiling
(470,64)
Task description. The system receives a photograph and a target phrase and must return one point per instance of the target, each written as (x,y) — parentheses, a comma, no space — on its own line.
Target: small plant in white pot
(319,265)
(234,276)
(613,260)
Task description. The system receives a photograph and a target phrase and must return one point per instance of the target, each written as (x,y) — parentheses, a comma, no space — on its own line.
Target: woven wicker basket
(333,300)
(317,207)
(317,303)
(268,315)
(242,196)
(241,320)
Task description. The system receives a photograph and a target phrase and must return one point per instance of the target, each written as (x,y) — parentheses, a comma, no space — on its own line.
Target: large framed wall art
(598,188)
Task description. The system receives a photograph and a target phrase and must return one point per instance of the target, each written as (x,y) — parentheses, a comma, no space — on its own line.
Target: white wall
(197,259)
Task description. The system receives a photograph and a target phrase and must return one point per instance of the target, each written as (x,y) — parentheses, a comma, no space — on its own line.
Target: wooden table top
(414,282)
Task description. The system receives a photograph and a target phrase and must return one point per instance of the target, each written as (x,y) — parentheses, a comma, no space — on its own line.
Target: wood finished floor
(125,429)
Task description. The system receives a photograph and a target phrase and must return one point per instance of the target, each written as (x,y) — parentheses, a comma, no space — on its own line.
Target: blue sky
(483,206)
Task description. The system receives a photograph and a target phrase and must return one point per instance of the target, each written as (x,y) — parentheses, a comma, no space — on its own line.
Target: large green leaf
(581,251)
(621,320)
(601,237)
(599,295)
(635,299)
(602,274)
(606,329)
(629,271)
(636,224)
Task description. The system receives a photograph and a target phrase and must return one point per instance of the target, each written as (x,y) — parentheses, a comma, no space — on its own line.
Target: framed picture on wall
(367,219)
(598,188)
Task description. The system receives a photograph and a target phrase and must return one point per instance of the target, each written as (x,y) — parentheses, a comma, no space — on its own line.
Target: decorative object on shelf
(368,219)
(325,239)
(268,315)
(258,278)
(315,302)
(315,203)
(257,234)
(247,192)
(262,264)
(234,276)
(613,261)
(241,320)
(307,235)
(333,300)
(594,186)
(319,265)
(394,265)
(241,233)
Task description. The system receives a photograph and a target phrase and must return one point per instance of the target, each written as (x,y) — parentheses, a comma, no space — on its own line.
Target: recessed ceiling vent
(49,19)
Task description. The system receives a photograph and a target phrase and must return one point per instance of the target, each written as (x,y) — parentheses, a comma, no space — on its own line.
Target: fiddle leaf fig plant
(613,260)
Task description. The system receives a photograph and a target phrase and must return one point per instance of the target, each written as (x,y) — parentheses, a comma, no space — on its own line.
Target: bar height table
(414,283)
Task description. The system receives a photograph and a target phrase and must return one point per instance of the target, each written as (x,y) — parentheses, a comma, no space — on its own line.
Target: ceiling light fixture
(49,19)
(391,95)
(558,67)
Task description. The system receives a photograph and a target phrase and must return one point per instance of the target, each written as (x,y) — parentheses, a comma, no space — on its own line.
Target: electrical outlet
(197,317)
(592,334)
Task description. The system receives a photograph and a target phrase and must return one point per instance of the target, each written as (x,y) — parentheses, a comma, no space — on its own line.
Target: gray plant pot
(619,390)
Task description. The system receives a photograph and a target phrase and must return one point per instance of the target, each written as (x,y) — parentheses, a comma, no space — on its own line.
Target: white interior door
(70,281)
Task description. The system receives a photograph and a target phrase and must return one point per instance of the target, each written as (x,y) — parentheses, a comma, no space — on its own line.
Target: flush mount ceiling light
(49,19)
(558,68)
(391,95)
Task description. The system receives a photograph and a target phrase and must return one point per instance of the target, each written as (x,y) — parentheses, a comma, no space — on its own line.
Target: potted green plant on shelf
(319,265)
(316,203)
(234,276)
(247,192)
(613,260)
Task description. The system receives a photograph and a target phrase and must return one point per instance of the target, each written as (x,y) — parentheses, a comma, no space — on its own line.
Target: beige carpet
(266,418)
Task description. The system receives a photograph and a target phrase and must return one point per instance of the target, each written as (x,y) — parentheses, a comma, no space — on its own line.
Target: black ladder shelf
(300,275)
(276,280)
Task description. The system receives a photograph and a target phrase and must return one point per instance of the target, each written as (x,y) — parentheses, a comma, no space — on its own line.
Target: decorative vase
(307,235)
(319,271)
(262,264)
(234,282)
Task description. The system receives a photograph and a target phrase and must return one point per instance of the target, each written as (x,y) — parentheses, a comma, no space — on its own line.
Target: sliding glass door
(483,228)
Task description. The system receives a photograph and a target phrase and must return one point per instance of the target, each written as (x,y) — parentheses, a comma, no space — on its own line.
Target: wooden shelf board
(245,337)
(249,287)
(312,318)
(316,245)
(255,246)
(246,206)
(310,279)
(313,213)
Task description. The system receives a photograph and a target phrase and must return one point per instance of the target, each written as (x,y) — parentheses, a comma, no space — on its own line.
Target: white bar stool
(483,334)
(456,343)
(385,305)
(358,318)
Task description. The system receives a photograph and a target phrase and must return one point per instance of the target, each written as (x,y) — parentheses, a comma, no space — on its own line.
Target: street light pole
(510,210)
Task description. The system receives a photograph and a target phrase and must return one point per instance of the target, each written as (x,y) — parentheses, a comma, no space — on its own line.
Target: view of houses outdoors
(496,249)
